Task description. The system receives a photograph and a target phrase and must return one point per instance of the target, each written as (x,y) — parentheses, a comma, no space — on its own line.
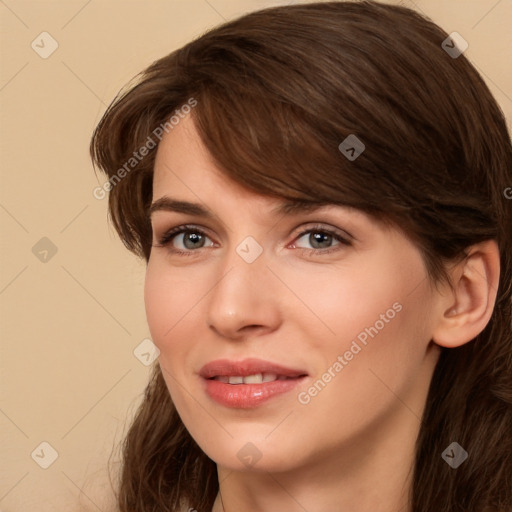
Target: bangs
(278,149)
(277,102)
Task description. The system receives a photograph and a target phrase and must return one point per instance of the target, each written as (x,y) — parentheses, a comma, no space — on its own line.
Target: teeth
(257,378)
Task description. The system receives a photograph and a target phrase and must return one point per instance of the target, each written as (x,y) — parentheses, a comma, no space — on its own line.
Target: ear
(464,311)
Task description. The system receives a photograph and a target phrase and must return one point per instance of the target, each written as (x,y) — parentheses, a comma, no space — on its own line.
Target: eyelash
(168,236)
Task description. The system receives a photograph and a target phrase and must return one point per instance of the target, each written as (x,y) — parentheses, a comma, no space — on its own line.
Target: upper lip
(246,367)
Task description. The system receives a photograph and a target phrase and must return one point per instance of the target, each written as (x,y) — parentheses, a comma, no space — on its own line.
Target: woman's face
(280,344)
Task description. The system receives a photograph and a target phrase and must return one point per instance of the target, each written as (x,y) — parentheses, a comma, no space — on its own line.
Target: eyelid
(301,230)
(343,237)
(335,232)
(169,234)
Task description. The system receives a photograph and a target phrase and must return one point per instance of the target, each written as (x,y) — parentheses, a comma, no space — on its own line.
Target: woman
(318,191)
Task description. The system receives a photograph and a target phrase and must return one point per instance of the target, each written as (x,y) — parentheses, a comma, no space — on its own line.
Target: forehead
(184,173)
(187,180)
(181,147)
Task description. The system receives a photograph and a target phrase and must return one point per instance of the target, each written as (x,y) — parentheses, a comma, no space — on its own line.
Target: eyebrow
(290,207)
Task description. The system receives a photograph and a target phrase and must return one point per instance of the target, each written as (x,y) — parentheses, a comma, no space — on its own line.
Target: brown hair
(277,91)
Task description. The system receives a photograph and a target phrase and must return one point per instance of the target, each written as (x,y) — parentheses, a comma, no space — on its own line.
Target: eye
(321,239)
(190,238)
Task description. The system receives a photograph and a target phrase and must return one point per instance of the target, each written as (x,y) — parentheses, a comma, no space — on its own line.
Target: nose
(244,301)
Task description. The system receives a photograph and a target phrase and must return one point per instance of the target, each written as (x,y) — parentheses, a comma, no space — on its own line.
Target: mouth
(254,370)
(256,378)
(248,383)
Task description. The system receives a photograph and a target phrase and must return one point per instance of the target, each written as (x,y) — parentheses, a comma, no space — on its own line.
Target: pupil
(317,237)
(191,237)
(321,238)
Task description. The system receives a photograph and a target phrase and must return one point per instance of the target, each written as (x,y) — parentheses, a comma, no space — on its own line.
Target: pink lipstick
(248,383)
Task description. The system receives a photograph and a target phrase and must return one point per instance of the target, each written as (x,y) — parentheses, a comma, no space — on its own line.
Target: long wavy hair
(276,91)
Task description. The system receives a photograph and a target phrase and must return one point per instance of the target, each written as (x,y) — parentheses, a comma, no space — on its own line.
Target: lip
(245,396)
(246,367)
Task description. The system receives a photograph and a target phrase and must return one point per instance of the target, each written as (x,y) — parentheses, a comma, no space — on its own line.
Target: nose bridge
(244,261)
(242,294)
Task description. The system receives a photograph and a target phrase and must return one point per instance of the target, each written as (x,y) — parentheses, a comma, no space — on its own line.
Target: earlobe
(464,312)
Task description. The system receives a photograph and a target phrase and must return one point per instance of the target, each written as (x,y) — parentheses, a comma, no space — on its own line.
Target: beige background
(69,325)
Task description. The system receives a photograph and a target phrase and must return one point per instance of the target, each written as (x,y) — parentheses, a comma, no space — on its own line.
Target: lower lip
(245,396)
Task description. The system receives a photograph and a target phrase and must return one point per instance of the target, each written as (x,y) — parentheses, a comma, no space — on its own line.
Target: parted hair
(277,91)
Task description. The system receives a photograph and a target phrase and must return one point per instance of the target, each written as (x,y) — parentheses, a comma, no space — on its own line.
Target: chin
(252,453)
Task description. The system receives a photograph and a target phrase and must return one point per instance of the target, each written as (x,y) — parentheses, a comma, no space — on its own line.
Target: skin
(354,440)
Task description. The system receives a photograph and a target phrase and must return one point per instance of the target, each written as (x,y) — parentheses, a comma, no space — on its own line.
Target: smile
(256,378)
(248,383)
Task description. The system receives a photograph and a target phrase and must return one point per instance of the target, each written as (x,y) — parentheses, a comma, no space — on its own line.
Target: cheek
(371,378)
(376,321)
(169,302)
(385,344)
(350,304)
